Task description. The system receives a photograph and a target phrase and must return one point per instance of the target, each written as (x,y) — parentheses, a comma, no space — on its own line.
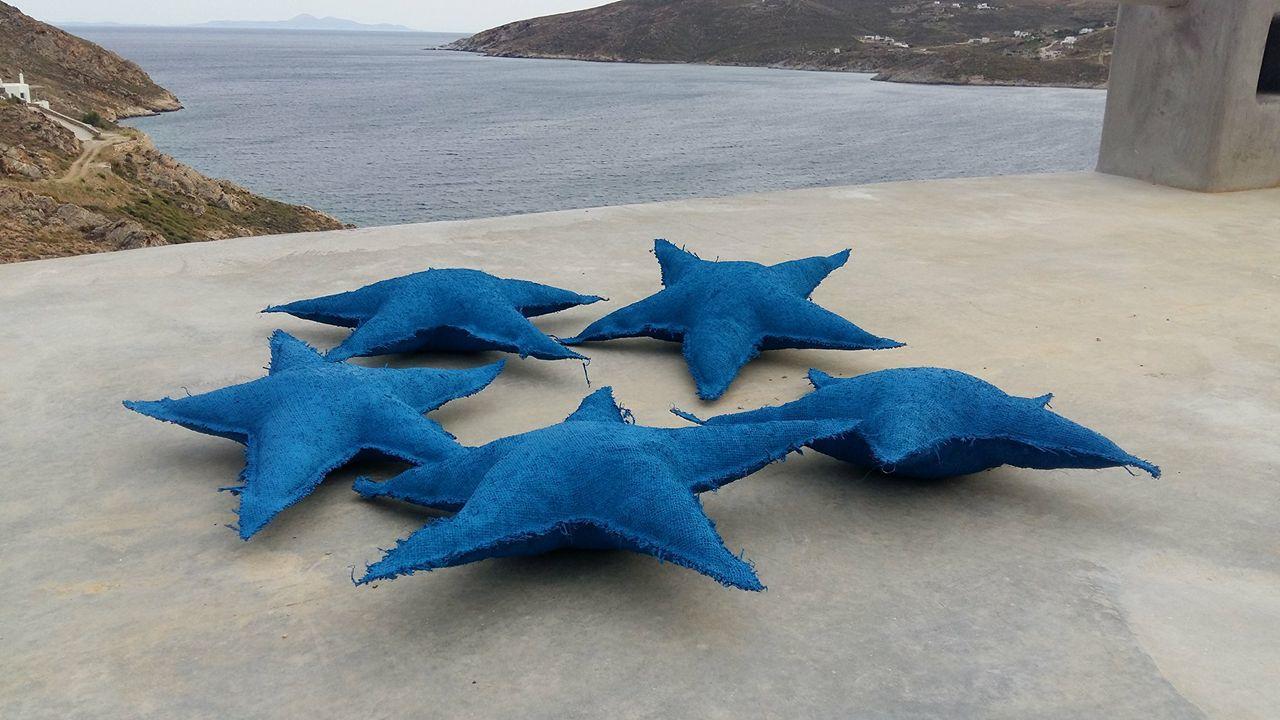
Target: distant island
(305,22)
(1065,43)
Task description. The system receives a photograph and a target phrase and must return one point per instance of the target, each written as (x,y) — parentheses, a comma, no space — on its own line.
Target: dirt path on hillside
(90,152)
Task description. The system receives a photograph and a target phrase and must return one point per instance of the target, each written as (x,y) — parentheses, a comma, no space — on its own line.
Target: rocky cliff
(1006,42)
(61,194)
(75,75)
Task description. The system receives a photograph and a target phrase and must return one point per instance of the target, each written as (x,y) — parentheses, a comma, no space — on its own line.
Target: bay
(379,128)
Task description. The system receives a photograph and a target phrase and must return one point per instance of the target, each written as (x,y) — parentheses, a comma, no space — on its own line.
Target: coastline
(150,112)
(451,175)
(878,73)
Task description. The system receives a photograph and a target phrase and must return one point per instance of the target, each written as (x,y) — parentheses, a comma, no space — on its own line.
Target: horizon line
(204,24)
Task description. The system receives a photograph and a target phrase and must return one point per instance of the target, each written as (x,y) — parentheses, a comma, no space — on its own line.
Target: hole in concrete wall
(1269,77)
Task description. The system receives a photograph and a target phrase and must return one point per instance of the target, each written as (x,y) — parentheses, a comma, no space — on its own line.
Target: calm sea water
(378,129)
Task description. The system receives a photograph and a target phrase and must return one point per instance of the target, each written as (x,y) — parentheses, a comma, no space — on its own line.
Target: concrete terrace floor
(1152,313)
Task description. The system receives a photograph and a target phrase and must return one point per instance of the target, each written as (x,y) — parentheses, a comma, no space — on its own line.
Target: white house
(884,40)
(20,89)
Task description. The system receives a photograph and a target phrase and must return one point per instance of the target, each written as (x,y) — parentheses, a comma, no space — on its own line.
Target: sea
(386,128)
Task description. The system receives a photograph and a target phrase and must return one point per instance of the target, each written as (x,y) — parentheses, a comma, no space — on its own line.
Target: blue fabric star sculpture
(725,313)
(449,310)
(932,423)
(309,417)
(593,481)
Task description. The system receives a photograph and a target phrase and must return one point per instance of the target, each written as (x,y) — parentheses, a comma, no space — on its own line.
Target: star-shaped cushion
(726,312)
(309,416)
(447,310)
(932,423)
(594,481)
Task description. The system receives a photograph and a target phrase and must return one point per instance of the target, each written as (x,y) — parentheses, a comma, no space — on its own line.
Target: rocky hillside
(63,194)
(1006,42)
(75,75)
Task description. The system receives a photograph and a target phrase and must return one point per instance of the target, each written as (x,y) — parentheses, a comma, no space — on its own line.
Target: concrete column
(1194,96)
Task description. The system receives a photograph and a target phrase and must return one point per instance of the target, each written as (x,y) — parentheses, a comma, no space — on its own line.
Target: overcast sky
(443,15)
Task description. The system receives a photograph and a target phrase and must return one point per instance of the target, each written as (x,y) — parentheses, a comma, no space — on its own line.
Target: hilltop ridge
(1002,42)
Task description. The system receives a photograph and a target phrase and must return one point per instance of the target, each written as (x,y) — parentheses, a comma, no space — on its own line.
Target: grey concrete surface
(1183,107)
(1151,312)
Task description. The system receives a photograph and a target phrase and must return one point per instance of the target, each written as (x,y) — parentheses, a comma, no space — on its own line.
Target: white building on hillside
(20,89)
